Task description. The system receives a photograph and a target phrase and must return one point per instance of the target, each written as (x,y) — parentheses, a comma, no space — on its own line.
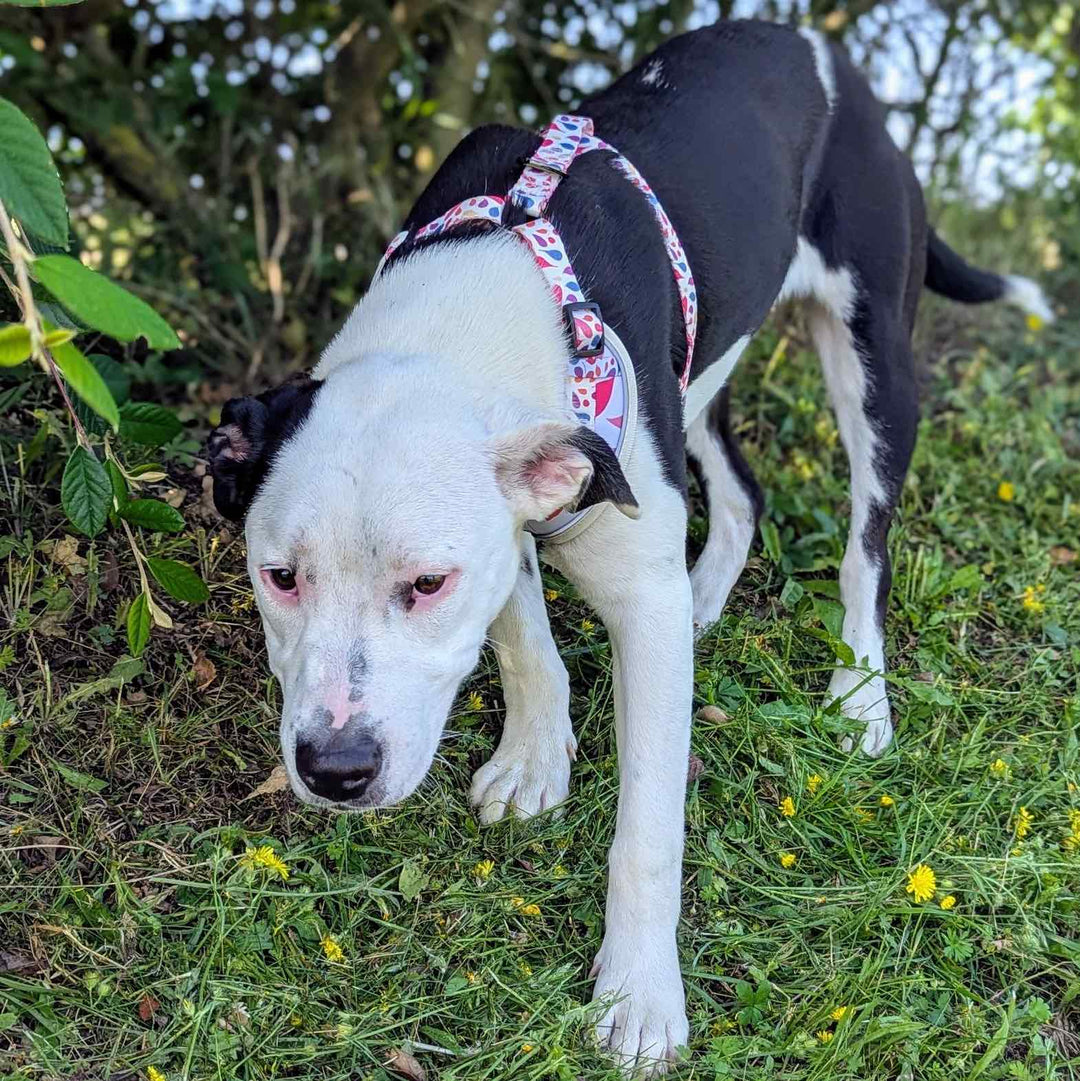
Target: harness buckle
(586,327)
(544,167)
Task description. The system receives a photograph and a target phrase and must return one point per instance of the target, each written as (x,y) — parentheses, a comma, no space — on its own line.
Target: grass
(143,924)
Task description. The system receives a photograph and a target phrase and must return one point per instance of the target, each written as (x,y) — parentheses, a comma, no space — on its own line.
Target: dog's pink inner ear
(237,448)
(539,472)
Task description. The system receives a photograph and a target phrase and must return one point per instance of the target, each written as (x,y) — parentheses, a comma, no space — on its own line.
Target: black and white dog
(385,496)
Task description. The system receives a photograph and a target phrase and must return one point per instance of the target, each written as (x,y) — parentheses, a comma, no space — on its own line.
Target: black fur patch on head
(608,483)
(242,448)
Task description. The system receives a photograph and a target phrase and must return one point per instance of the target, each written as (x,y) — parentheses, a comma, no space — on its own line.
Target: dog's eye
(284,579)
(429,584)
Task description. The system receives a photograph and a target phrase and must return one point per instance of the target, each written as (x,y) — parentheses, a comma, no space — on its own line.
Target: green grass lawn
(145,930)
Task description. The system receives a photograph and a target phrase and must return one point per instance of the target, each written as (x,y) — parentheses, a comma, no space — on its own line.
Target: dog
(385,497)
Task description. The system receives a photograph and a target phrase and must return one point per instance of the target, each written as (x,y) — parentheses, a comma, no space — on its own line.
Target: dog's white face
(383,539)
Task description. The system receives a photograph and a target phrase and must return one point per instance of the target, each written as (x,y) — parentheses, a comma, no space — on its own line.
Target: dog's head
(383,522)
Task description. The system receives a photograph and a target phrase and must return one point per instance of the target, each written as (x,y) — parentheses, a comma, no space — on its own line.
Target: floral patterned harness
(601,386)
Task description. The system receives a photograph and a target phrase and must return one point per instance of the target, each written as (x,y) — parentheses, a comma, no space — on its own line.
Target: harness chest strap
(601,384)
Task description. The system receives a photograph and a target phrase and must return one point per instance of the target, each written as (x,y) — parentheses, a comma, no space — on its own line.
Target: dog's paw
(709,599)
(865,702)
(645,1023)
(525,776)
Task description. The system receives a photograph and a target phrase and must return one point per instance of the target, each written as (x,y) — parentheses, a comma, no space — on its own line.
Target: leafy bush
(62,301)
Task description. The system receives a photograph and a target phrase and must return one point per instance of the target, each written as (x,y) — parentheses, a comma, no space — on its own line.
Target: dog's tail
(954,277)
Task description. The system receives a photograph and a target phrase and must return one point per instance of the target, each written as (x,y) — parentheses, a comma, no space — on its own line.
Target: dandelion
(530,910)
(1031,599)
(154,1074)
(1006,491)
(864,814)
(551,594)
(1074,820)
(588,626)
(922,883)
(1071,843)
(332,949)
(948,902)
(525,969)
(264,856)
(1034,323)
(526,1048)
(559,871)
(1000,767)
(824,1035)
(787,859)
(813,783)
(887,801)
(840,1013)
(483,870)
(787,807)
(470,976)
(475,703)
(1024,819)
(10,723)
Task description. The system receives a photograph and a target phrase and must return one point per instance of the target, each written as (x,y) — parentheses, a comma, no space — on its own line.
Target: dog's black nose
(339,771)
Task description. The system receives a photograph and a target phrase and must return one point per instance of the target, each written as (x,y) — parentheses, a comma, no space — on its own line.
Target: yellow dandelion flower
(1031,599)
(470,976)
(332,948)
(264,856)
(813,783)
(483,870)
(863,814)
(526,1048)
(887,801)
(1006,491)
(948,902)
(1024,818)
(10,723)
(1071,843)
(154,1074)
(525,969)
(1000,767)
(475,703)
(787,807)
(551,594)
(559,871)
(529,910)
(840,1013)
(517,902)
(1017,851)
(787,859)
(824,1035)
(1074,820)
(921,883)
(1034,322)
(588,626)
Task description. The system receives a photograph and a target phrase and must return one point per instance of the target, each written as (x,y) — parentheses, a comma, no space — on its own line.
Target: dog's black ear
(241,449)
(554,466)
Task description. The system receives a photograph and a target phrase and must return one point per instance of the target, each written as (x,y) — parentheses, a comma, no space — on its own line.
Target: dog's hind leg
(869,371)
(530,770)
(735,502)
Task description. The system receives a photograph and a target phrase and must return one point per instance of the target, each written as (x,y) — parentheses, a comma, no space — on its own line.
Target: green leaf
(149,424)
(101,303)
(118,382)
(82,781)
(411,880)
(152,514)
(178,580)
(86,381)
(29,183)
(770,537)
(85,492)
(138,625)
(14,345)
(831,614)
(117,483)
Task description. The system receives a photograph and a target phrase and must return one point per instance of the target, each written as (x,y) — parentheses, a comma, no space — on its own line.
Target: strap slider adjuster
(586,327)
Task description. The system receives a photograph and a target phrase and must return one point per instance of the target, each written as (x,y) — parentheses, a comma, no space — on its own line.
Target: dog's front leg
(634,574)
(530,770)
